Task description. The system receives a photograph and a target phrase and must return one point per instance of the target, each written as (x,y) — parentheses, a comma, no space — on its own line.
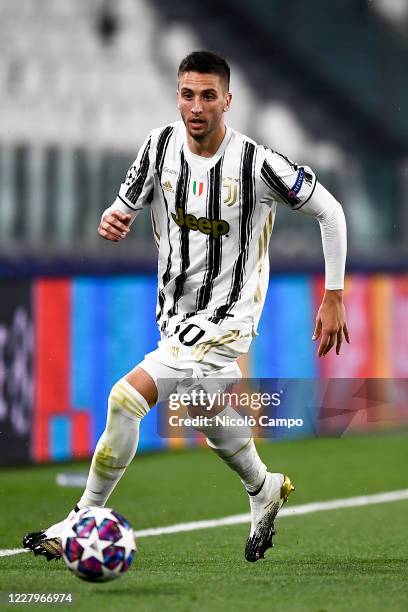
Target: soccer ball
(98,544)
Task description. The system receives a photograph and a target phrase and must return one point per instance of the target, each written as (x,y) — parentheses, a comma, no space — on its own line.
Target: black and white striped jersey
(212,220)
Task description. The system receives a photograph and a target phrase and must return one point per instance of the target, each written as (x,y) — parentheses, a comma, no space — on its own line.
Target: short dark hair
(205,62)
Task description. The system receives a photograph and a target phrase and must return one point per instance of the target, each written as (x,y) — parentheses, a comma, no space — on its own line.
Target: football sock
(236,447)
(258,490)
(242,457)
(117,445)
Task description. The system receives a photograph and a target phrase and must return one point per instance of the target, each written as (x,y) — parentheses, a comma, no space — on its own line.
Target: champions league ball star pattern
(98,544)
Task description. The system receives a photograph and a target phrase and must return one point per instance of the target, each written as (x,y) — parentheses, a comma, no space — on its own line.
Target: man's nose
(197,106)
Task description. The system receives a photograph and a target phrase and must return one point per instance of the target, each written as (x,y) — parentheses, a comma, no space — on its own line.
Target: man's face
(202,101)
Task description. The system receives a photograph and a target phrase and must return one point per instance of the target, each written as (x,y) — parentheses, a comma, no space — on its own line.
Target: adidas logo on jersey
(174,350)
(215,227)
(167,186)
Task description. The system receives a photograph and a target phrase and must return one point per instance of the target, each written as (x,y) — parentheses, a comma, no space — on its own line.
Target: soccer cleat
(48,541)
(38,542)
(264,508)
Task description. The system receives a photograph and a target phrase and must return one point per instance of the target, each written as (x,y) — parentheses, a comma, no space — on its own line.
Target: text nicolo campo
(207,401)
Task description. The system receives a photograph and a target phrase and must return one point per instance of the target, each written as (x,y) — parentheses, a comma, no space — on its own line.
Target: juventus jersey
(212,220)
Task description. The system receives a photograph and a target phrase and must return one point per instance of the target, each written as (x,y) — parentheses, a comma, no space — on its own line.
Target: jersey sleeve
(287,182)
(329,213)
(136,192)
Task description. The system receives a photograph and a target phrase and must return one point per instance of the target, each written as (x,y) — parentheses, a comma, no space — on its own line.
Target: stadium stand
(81,84)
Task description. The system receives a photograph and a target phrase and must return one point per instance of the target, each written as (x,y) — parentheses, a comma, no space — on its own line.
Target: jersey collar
(205,163)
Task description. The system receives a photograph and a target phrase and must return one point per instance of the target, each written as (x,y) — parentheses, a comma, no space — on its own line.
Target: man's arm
(297,188)
(331,325)
(134,194)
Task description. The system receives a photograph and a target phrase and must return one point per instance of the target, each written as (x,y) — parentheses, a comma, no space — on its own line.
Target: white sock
(117,445)
(244,460)
(236,447)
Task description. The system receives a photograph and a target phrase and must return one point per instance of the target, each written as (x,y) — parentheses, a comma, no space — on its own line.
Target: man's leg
(130,399)
(235,445)
(267,491)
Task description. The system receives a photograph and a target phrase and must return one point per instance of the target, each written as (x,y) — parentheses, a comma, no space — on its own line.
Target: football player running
(212,194)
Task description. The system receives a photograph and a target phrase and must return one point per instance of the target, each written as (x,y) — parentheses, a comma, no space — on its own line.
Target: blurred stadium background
(81,83)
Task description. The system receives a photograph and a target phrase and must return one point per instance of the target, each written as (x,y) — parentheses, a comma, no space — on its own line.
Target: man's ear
(227,102)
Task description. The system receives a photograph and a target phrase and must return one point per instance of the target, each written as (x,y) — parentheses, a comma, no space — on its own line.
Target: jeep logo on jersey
(230,186)
(215,227)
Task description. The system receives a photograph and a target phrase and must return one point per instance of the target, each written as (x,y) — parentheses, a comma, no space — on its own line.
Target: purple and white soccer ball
(98,544)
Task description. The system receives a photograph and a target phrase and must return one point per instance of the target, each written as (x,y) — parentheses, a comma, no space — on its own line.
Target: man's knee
(144,384)
(126,400)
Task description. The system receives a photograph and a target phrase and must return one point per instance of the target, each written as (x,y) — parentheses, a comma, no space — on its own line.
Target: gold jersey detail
(173,350)
(156,234)
(263,244)
(167,186)
(230,186)
(202,348)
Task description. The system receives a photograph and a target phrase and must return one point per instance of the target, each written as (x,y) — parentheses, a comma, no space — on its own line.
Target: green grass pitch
(346,559)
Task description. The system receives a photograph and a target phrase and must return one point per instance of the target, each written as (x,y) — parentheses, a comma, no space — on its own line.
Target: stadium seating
(82,82)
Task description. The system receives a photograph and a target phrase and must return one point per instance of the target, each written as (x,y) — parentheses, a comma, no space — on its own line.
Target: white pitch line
(236,519)
(8,552)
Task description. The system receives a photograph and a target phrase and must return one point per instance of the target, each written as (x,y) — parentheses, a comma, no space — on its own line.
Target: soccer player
(212,194)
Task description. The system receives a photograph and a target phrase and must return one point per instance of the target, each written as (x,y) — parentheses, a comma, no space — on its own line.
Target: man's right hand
(114,226)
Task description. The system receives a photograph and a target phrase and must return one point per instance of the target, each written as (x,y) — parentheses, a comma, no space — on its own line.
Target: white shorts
(195,350)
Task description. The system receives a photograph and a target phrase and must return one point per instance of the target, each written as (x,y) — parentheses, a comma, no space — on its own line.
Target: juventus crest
(230,190)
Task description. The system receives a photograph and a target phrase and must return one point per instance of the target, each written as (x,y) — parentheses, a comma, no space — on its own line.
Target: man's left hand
(331,325)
